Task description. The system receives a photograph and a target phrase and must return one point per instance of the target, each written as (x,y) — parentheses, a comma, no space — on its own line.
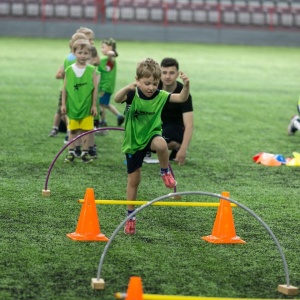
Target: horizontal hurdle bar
(177,297)
(174,203)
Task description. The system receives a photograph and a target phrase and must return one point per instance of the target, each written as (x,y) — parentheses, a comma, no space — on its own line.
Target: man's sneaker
(70,158)
(173,155)
(53,132)
(130,227)
(294,125)
(120,120)
(169,180)
(93,153)
(86,158)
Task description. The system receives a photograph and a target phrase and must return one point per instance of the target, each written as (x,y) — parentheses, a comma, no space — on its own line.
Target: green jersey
(69,60)
(143,121)
(79,93)
(108,72)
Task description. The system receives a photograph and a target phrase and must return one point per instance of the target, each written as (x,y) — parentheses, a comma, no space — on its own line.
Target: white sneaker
(294,125)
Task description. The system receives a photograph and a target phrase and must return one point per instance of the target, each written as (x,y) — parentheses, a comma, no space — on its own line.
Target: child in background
(60,75)
(94,60)
(108,71)
(81,33)
(294,124)
(79,97)
(143,126)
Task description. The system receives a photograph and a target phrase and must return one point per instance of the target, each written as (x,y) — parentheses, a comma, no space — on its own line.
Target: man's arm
(188,121)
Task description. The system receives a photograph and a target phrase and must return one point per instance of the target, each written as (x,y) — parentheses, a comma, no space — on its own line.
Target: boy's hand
(63,109)
(111,53)
(132,86)
(94,110)
(185,79)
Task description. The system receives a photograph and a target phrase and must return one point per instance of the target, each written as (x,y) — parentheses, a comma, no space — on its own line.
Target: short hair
(81,44)
(94,51)
(169,62)
(111,42)
(147,68)
(86,31)
(76,36)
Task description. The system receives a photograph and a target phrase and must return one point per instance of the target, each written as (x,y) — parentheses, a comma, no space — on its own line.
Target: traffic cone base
(224,231)
(88,228)
(87,237)
(219,240)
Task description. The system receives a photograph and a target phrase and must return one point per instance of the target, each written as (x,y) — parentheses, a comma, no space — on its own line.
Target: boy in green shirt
(143,126)
(79,96)
(108,71)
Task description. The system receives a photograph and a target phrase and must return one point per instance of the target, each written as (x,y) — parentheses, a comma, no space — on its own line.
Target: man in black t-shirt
(177,118)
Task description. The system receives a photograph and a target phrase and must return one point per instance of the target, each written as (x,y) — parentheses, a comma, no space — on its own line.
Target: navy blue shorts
(105,98)
(135,161)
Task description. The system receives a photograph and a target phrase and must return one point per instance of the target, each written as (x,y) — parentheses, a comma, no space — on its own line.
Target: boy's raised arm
(121,95)
(184,94)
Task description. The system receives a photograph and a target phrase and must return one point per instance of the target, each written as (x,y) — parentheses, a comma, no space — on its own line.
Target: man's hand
(180,157)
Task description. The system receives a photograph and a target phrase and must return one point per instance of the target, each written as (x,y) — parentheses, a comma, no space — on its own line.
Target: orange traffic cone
(135,289)
(223,231)
(88,228)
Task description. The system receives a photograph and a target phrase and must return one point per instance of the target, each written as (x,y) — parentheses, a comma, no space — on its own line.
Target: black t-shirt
(172,112)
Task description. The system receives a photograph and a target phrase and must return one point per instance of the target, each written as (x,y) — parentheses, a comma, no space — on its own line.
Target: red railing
(218,13)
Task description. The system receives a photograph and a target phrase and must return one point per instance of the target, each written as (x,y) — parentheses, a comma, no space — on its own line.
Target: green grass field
(243,100)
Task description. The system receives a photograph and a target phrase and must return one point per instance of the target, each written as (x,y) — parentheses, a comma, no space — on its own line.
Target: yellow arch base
(134,202)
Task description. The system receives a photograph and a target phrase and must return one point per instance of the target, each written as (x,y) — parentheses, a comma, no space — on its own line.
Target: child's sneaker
(77,153)
(66,140)
(120,120)
(130,227)
(169,180)
(53,132)
(86,158)
(101,125)
(293,125)
(70,158)
(93,153)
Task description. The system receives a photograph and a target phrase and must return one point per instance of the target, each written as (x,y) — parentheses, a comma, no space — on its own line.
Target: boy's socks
(130,212)
(163,171)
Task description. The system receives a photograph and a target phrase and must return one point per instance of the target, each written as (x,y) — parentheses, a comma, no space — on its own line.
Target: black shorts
(173,132)
(135,161)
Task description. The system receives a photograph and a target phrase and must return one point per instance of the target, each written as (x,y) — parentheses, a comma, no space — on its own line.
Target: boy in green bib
(143,126)
(79,96)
